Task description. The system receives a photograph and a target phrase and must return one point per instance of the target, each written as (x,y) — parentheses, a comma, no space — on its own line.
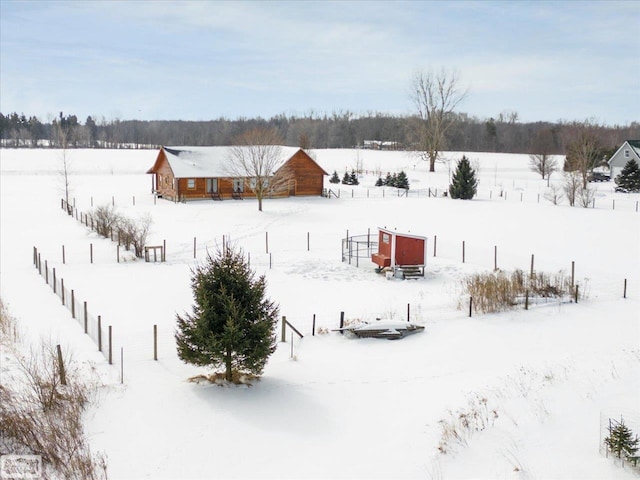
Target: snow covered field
(536,382)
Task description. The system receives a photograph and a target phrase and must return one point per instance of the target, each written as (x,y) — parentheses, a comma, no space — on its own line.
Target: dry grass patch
(218,378)
(500,291)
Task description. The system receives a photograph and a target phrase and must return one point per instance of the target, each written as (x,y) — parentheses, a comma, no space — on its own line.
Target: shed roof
(200,162)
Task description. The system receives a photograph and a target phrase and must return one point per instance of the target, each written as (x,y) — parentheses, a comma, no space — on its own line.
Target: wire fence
(92,325)
(514,195)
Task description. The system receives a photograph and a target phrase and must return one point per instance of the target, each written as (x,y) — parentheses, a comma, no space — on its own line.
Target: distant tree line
(337,130)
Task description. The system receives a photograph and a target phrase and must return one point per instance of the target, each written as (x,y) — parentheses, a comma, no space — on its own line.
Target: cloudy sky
(200,60)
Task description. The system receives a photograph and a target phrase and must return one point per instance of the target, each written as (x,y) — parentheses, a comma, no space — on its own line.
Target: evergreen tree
(379,182)
(464,184)
(629,178)
(354,178)
(388,180)
(621,440)
(346,180)
(402,181)
(334,178)
(232,324)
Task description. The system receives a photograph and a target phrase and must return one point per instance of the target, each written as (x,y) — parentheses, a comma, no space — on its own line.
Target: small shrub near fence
(105,221)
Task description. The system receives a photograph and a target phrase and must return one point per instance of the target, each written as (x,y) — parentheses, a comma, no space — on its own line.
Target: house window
(191,183)
(238,185)
(626,154)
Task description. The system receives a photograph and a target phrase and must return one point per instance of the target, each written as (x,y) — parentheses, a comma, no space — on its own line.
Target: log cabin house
(189,173)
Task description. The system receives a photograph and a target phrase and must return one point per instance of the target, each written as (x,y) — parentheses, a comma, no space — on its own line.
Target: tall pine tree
(629,178)
(464,184)
(232,324)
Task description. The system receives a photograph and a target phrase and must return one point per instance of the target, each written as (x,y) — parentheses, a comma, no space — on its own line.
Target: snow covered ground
(533,383)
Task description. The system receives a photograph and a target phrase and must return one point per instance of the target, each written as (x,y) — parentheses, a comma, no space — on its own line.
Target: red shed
(401,251)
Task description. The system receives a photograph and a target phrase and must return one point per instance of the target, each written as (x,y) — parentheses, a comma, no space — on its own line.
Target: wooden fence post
(408,312)
(55,287)
(470,306)
(86,318)
(495,257)
(313,325)
(270,263)
(91,252)
(35,257)
(624,294)
(73,303)
(284,327)
(308,242)
(341,322)
(435,241)
(110,347)
(99,333)
(63,256)
(121,365)
(63,375)
(118,253)
(266,243)
(576,293)
(164,251)
(39,264)
(463,251)
(573,273)
(62,288)
(46,271)
(531,272)
(194,247)
(526,300)
(155,342)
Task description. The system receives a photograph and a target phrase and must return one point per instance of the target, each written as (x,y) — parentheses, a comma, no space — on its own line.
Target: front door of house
(212,185)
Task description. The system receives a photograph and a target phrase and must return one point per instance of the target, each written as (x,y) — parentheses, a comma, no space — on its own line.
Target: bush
(134,233)
(105,219)
(41,416)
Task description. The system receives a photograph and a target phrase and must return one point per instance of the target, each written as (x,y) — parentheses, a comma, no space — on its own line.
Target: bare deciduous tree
(584,153)
(435,96)
(541,160)
(586,196)
(257,156)
(572,186)
(554,194)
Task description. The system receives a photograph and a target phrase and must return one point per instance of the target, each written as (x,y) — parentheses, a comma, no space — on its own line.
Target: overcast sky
(202,60)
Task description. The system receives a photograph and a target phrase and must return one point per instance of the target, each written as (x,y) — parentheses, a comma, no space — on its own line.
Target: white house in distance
(629,149)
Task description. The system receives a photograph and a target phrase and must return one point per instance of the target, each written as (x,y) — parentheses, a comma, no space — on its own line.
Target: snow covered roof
(201,162)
